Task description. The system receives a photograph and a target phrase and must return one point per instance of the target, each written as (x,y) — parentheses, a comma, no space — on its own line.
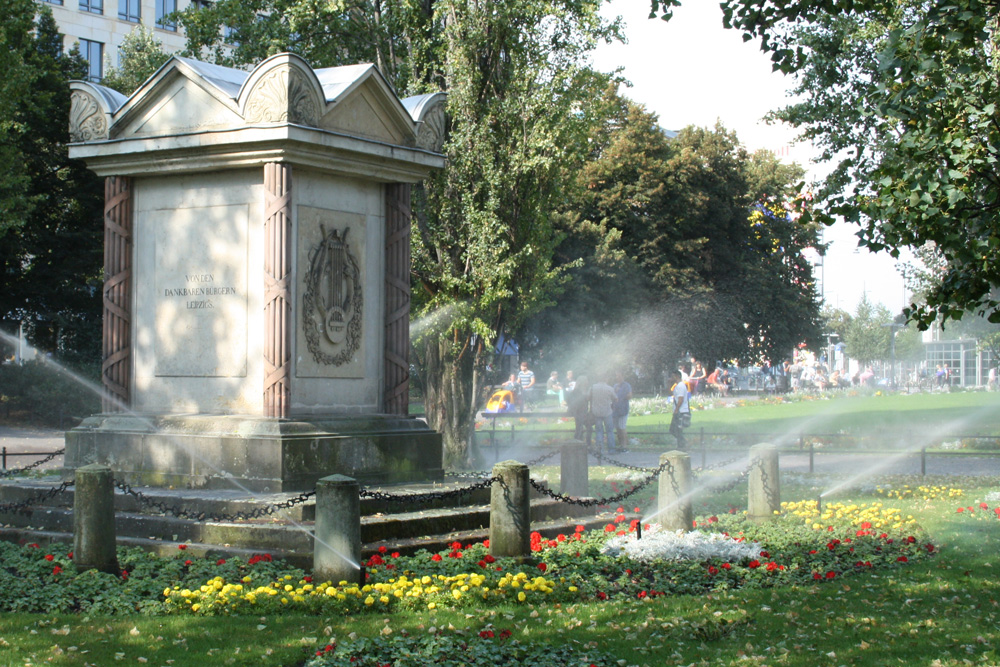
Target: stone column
(337,546)
(764,494)
(574,471)
(277,289)
(94,519)
(674,506)
(510,510)
(397,299)
(116,368)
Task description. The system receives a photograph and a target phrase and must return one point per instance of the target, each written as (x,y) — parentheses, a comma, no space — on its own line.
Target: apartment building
(101,25)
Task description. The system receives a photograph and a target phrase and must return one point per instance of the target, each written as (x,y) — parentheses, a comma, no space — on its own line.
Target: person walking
(602,400)
(681,418)
(623,393)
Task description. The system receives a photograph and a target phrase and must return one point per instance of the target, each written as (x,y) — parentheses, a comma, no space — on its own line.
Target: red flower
(436,557)
(56,570)
(765,554)
(831,574)
(124,575)
(712,569)
(726,566)
(486,634)
(49,557)
(983,506)
(395,554)
(308,580)
(754,564)
(182,547)
(817,576)
(637,510)
(601,595)
(188,562)
(930,548)
(34,545)
(221,561)
(713,519)
(505,633)
(772,566)
(382,549)
(70,555)
(580,529)
(961,509)
(482,564)
(902,559)
(610,528)
(543,567)
(486,543)
(620,510)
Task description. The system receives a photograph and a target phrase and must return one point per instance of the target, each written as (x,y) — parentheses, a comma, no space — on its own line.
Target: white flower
(658,544)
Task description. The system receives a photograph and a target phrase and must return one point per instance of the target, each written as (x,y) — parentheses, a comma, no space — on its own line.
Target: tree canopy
(901,96)
(50,206)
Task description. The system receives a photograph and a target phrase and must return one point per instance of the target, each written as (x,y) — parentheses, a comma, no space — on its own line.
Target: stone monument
(257,260)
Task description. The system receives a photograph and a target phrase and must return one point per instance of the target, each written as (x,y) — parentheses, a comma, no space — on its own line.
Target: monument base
(255,453)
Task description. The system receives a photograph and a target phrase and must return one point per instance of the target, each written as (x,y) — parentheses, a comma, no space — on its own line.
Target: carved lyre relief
(332,303)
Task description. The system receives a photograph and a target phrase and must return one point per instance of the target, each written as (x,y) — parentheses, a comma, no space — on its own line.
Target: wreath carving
(333,302)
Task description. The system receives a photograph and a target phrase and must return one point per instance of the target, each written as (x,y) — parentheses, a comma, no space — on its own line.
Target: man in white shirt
(682,409)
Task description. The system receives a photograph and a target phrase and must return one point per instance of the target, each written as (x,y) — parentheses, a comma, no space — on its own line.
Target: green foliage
(867,336)
(38,393)
(488,648)
(140,55)
(50,206)
(901,96)
(692,233)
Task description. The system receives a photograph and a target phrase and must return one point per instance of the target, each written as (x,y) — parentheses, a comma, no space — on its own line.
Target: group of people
(599,409)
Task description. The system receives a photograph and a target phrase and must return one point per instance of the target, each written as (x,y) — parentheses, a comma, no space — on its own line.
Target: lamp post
(893,327)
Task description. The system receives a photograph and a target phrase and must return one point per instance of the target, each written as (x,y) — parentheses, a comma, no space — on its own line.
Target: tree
(50,239)
(902,96)
(867,337)
(140,55)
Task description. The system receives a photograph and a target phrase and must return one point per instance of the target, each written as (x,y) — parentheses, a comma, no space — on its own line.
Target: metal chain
(611,500)
(602,458)
(10,472)
(434,495)
(36,498)
(734,482)
(182,513)
(543,457)
(721,464)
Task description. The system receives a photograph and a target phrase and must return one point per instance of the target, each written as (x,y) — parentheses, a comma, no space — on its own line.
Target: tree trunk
(450,397)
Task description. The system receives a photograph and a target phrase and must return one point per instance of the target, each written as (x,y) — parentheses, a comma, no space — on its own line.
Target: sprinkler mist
(99,391)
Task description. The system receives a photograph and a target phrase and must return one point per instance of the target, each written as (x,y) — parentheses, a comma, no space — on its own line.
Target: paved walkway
(39,442)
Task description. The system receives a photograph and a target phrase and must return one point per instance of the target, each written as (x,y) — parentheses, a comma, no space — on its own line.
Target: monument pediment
(226,114)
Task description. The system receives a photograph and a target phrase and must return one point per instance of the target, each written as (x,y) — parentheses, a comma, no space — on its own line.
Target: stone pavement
(38,442)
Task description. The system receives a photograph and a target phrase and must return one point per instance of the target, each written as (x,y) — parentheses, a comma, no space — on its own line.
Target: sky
(692,71)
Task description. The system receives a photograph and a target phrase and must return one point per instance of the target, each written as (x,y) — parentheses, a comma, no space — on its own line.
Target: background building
(101,25)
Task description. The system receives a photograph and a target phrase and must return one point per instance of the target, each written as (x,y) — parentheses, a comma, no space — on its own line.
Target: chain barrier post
(4,466)
(573,469)
(510,511)
(764,496)
(94,520)
(337,544)
(674,506)
(923,461)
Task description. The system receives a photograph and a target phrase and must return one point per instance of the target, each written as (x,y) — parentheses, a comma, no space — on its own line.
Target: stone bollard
(94,520)
(574,471)
(337,545)
(674,506)
(510,511)
(764,494)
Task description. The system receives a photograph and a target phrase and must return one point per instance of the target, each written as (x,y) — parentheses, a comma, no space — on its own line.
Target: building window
(163,8)
(93,53)
(96,6)
(54,2)
(130,10)
(201,4)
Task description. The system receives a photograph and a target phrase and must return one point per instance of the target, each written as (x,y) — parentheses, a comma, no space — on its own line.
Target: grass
(941,612)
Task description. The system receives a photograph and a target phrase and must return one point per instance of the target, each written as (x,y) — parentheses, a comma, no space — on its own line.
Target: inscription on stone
(200,291)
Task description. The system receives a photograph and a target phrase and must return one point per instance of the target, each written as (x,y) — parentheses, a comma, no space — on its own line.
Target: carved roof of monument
(189,97)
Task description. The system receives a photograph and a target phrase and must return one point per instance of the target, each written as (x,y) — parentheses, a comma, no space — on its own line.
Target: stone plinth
(225,452)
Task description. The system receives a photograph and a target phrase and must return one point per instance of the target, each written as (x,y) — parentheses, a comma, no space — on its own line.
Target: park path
(41,441)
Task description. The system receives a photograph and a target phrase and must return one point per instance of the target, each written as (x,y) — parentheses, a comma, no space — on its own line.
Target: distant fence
(512,429)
